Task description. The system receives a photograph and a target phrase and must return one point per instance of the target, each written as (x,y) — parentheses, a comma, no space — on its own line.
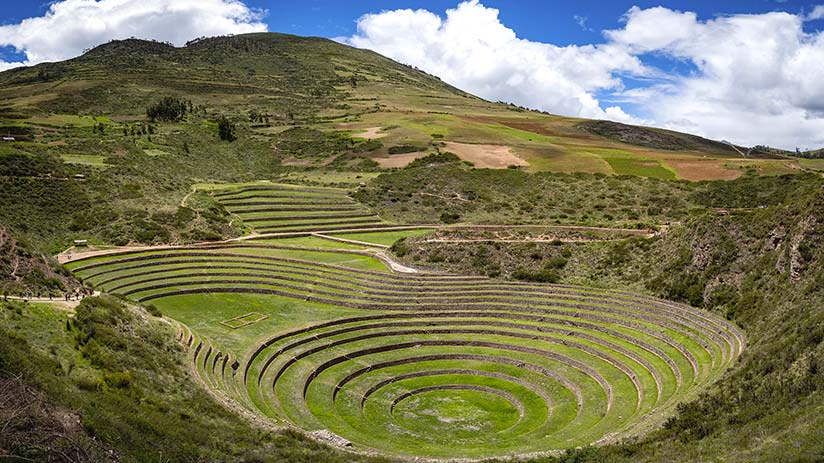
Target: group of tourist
(70,294)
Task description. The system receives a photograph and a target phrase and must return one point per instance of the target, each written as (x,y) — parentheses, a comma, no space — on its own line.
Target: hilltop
(271,82)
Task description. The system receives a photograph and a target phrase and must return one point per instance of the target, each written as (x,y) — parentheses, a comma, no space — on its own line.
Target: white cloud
(759,78)
(471,49)
(753,79)
(582,22)
(70,26)
(817,13)
(655,28)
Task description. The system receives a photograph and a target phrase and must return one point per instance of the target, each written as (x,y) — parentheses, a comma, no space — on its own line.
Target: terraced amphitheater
(323,336)
(277,208)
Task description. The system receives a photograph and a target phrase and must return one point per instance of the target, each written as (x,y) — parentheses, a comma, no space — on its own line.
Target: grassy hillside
(561,234)
(761,268)
(89,163)
(118,371)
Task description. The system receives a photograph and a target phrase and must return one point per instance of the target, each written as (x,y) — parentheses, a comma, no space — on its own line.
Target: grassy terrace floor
(321,335)
(274,208)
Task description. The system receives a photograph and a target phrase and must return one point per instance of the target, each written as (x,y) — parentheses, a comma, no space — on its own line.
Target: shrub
(167,109)
(541,276)
(400,248)
(401,149)
(434,159)
(153,310)
(450,217)
(118,380)
(556,262)
(226,129)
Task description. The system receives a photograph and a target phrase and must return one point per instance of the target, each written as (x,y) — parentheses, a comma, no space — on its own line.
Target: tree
(168,109)
(225,129)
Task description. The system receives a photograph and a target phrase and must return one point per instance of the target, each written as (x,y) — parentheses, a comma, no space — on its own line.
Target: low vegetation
(114,377)
(687,328)
(596,362)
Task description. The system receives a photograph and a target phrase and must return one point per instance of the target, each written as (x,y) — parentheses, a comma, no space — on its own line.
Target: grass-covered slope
(437,188)
(118,390)
(272,83)
(761,268)
(421,364)
(122,146)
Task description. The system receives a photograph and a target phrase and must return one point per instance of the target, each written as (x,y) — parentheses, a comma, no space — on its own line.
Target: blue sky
(747,71)
(544,21)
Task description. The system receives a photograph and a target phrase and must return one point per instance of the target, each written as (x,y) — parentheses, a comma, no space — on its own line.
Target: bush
(450,217)
(168,109)
(118,380)
(556,263)
(153,310)
(541,276)
(434,159)
(400,248)
(401,149)
(226,130)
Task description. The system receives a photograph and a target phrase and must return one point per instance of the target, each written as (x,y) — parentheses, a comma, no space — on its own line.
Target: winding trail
(58,301)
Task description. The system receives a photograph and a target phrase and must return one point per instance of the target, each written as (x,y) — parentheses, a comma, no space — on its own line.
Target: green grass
(626,163)
(60,120)
(764,410)
(329,178)
(812,164)
(85,159)
(505,132)
(457,412)
(386,238)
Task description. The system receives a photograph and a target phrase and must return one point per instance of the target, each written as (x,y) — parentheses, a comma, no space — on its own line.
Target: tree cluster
(261,118)
(169,109)
(226,129)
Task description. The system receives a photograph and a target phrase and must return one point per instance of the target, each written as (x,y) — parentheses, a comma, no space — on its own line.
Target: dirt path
(628,231)
(186,198)
(344,240)
(72,254)
(393,264)
(527,240)
(371,133)
(59,301)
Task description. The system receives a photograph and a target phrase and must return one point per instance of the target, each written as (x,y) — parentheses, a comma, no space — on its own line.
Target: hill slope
(274,81)
(89,163)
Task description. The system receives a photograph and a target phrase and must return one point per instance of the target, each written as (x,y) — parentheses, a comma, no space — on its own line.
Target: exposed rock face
(797,260)
(22,270)
(329,437)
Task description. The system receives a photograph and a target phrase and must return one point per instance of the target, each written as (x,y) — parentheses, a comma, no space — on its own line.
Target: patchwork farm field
(322,331)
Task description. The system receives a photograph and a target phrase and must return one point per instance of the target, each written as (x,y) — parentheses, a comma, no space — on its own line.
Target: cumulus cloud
(70,26)
(473,50)
(752,78)
(758,79)
(816,13)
